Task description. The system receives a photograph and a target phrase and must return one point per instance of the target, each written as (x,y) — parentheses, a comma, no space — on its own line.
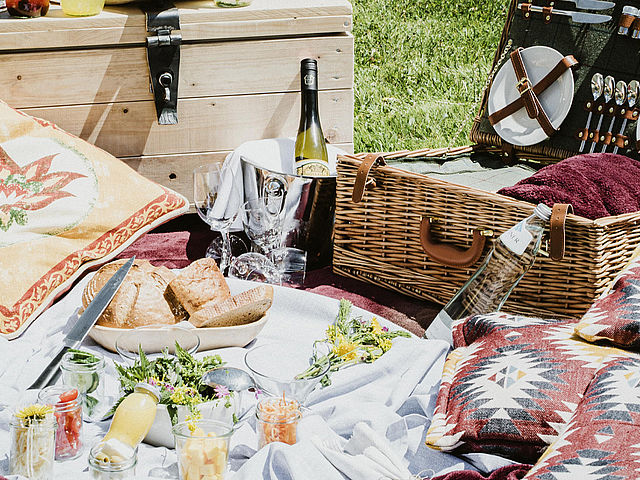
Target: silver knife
(576,17)
(592,4)
(86,321)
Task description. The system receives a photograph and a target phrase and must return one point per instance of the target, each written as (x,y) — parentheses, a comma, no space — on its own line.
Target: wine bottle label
(517,238)
(312,168)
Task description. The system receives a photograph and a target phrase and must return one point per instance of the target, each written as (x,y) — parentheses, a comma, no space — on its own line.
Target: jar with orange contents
(277,420)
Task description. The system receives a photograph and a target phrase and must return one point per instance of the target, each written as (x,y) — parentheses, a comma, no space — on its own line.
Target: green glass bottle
(310,150)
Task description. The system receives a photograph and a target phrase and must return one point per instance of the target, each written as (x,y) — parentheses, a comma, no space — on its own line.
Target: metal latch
(163,55)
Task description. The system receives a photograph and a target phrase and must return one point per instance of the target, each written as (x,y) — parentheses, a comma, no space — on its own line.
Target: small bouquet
(350,341)
(179,381)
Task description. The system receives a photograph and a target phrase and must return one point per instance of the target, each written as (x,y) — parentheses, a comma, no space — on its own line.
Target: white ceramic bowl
(210,338)
(160,433)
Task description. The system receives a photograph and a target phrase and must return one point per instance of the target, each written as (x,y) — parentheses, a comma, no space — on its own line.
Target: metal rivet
(623,111)
(19,77)
(611,110)
(626,142)
(599,108)
(526,15)
(635,114)
(125,110)
(548,17)
(602,138)
(588,104)
(591,135)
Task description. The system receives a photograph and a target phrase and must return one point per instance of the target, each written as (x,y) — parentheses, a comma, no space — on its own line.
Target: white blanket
(370,423)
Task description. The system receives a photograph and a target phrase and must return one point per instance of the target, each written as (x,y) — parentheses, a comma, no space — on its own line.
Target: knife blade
(576,17)
(592,4)
(86,321)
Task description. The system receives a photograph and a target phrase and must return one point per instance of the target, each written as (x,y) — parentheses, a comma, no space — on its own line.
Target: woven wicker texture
(378,239)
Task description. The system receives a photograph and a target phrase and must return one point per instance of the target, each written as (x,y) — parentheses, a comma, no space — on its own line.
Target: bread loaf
(240,309)
(199,283)
(140,298)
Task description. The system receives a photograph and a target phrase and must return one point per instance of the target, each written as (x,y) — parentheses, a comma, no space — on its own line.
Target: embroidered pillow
(602,438)
(615,316)
(65,206)
(511,391)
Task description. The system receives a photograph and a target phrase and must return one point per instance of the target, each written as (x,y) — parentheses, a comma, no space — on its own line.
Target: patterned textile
(513,388)
(65,206)
(616,315)
(602,438)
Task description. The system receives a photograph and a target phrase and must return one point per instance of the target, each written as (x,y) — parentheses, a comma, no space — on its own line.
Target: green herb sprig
(177,376)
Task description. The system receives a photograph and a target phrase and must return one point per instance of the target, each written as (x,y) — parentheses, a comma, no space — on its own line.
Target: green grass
(420,69)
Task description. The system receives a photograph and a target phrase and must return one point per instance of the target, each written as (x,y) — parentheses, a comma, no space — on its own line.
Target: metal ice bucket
(308,204)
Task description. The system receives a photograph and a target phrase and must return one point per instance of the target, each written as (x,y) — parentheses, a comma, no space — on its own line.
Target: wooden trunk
(239,79)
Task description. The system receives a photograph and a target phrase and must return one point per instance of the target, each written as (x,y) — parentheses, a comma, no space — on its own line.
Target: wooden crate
(239,79)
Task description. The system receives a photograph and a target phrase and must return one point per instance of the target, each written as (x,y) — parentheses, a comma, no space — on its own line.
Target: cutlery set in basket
(576,86)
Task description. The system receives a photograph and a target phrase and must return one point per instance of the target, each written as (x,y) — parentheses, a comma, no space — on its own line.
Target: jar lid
(148,388)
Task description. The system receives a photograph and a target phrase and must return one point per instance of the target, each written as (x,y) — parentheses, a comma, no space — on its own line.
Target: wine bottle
(487,290)
(310,150)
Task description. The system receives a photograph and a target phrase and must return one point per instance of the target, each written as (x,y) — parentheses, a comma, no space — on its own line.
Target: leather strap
(558,218)
(447,254)
(362,177)
(556,72)
(546,14)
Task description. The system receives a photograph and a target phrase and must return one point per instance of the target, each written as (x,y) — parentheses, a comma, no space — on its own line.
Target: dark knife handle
(51,373)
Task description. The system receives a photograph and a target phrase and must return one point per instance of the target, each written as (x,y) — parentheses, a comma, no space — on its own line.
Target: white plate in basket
(519,129)
(210,338)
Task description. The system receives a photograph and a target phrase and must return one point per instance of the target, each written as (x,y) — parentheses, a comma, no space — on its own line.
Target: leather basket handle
(449,255)
(559,214)
(362,177)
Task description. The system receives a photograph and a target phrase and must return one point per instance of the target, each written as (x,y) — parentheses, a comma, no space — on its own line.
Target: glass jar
(202,446)
(111,470)
(68,414)
(277,420)
(84,371)
(32,445)
(81,8)
(27,8)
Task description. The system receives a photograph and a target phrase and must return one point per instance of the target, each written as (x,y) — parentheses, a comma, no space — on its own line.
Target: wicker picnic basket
(387,216)
(380,238)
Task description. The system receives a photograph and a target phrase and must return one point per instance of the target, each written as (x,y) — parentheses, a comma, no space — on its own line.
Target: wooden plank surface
(212,69)
(174,171)
(128,129)
(122,25)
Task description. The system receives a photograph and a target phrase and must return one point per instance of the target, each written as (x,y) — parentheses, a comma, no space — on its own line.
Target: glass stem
(225,255)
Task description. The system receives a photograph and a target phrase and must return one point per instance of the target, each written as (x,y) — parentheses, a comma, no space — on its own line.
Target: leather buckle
(523,82)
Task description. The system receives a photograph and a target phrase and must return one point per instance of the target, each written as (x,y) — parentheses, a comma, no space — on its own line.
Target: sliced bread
(198,284)
(246,307)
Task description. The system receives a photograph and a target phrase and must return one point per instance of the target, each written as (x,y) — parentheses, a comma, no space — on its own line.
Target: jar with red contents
(27,8)
(68,412)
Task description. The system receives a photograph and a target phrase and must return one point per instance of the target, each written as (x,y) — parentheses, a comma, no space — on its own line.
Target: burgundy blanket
(597,185)
(185,239)
(510,472)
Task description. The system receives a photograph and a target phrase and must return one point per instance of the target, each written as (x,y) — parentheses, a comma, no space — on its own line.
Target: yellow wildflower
(346,350)
(376,329)
(385,344)
(192,420)
(185,396)
(35,412)
(331,333)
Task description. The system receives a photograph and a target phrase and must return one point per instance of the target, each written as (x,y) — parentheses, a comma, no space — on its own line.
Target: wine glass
(262,220)
(217,203)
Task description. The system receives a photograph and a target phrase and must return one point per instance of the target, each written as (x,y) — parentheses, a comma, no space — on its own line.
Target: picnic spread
(191,290)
